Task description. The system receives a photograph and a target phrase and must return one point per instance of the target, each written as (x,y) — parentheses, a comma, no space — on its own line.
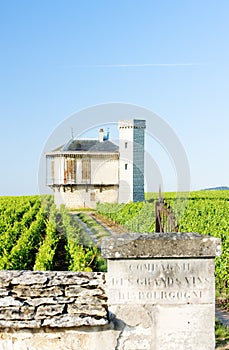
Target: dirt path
(108,224)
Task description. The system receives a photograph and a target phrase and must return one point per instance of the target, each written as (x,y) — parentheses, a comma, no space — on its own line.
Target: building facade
(85,171)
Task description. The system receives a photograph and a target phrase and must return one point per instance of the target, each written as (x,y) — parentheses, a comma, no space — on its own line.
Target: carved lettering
(123,295)
(160,282)
(153,267)
(117,281)
(169,295)
(193,281)
(166,282)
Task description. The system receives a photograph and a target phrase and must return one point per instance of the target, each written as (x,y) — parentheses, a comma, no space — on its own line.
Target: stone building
(85,171)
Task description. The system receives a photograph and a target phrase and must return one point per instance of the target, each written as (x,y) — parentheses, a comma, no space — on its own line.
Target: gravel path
(86,228)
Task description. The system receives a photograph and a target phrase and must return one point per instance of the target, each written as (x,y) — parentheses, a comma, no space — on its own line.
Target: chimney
(101,134)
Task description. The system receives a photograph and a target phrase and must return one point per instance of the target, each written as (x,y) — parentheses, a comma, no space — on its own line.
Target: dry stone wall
(34,299)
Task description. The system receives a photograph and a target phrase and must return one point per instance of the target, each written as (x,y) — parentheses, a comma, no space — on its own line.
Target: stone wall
(34,299)
(54,310)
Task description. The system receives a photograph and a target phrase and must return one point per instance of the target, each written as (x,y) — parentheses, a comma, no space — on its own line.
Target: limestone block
(47,301)
(69,278)
(135,338)
(7,324)
(3,292)
(17,313)
(186,327)
(73,321)
(26,278)
(94,300)
(87,309)
(83,338)
(37,291)
(76,291)
(10,301)
(160,245)
(49,310)
(7,276)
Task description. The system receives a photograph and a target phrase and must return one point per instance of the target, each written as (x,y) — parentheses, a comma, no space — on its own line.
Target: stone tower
(131,169)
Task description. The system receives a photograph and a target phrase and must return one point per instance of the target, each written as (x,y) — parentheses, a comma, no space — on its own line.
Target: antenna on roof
(72,133)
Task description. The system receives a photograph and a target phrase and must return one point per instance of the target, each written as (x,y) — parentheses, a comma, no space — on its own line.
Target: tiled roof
(88,146)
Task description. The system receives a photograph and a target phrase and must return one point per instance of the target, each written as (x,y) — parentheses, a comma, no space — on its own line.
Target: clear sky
(59,57)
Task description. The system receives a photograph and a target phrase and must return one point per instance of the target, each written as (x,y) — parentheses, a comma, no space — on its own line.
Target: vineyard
(36,236)
(205,212)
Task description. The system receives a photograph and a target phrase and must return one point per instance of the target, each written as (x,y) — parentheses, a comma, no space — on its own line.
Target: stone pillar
(161,290)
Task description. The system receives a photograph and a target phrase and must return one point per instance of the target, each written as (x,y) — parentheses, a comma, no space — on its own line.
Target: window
(126,165)
(126,144)
(70,170)
(92,195)
(86,169)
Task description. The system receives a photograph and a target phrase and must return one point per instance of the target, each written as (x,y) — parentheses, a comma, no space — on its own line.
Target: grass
(98,230)
(221,335)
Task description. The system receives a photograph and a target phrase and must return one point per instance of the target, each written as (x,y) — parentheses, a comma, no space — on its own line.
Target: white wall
(80,197)
(104,171)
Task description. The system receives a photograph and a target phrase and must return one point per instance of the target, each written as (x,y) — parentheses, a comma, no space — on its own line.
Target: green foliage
(31,226)
(209,215)
(221,334)
(80,257)
(12,211)
(22,254)
(205,212)
(30,230)
(22,219)
(46,253)
(135,217)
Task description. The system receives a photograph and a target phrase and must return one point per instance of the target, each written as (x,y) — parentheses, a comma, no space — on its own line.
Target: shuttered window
(70,170)
(86,169)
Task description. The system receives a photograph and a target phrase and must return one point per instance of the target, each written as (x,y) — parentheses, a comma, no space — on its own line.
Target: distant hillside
(216,188)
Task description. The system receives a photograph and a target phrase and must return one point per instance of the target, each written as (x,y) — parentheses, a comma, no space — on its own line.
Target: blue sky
(59,57)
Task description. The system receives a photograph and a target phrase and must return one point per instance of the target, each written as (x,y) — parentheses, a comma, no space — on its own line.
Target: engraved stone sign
(161,281)
(162,286)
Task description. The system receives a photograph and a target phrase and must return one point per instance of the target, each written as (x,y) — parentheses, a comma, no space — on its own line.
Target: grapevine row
(31,230)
